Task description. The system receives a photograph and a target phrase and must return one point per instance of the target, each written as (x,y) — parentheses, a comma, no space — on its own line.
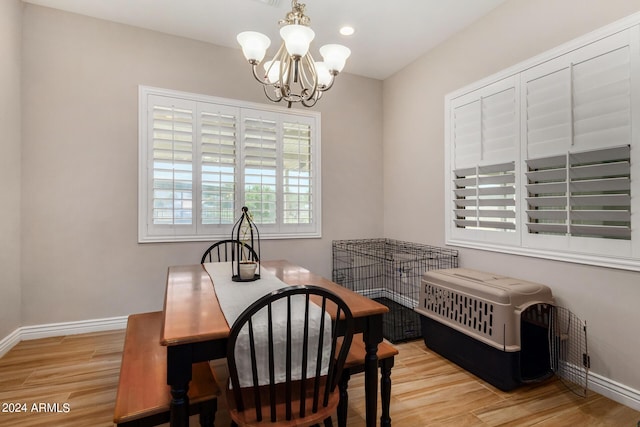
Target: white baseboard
(60,329)
(9,341)
(72,328)
(614,391)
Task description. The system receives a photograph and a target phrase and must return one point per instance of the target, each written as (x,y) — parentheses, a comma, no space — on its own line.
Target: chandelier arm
(265,79)
(310,102)
(309,85)
(310,60)
(284,72)
(330,85)
(254,68)
(286,78)
(277,91)
(282,51)
(311,65)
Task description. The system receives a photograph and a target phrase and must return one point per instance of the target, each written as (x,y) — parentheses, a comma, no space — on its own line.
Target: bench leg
(385,393)
(385,390)
(207,411)
(343,405)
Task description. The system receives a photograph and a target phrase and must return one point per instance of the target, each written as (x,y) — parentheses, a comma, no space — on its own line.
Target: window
(203,158)
(541,158)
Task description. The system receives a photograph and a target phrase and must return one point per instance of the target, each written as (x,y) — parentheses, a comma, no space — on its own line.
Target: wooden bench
(143,397)
(355,364)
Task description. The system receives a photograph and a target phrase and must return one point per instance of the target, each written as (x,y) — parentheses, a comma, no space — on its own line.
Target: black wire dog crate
(389,271)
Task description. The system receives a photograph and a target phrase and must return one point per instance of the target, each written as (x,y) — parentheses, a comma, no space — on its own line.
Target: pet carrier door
(568,349)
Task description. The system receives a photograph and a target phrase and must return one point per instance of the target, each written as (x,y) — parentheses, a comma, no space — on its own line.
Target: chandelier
(292,75)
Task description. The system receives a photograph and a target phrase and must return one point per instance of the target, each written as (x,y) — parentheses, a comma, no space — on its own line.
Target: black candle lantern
(246,265)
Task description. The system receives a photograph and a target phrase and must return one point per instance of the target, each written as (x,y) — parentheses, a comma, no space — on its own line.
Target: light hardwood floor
(82,372)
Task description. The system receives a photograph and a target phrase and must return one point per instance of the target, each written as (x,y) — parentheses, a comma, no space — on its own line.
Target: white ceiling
(389,33)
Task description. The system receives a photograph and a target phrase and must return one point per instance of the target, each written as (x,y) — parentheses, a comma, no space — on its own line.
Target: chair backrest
(225,250)
(279,354)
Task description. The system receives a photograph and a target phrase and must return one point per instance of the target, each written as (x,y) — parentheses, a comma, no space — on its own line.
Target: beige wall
(80,78)
(413,164)
(10,42)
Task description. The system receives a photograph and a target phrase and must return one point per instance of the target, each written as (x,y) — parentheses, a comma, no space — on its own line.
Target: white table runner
(235,297)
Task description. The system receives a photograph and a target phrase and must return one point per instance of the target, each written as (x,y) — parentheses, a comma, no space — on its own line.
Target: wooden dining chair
(225,250)
(281,372)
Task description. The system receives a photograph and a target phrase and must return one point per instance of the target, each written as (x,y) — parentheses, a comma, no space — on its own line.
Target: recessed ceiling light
(347,30)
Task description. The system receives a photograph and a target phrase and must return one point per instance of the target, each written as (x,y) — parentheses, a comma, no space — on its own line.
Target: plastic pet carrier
(504,330)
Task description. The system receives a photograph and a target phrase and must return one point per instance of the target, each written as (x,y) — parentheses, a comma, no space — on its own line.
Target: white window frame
(622,254)
(196,231)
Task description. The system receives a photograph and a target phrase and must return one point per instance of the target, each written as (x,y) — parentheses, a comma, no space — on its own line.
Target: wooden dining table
(195,329)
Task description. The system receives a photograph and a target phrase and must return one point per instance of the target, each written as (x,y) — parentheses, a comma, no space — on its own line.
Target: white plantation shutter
(467,134)
(203,158)
(485,140)
(602,100)
(171,127)
(547,198)
(565,187)
(578,105)
(499,127)
(580,101)
(548,113)
(218,166)
(485,197)
(260,156)
(584,194)
(485,125)
(297,173)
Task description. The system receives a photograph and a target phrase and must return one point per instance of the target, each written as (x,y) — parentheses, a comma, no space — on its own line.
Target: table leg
(372,337)
(385,391)
(178,377)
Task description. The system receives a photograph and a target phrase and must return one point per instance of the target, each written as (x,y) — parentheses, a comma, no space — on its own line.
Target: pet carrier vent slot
(463,310)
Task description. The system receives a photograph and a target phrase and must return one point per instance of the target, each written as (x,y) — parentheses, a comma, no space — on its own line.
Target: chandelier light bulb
(324,76)
(297,39)
(335,56)
(254,45)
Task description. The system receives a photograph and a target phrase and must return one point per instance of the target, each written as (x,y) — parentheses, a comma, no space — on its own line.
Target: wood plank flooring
(72,381)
